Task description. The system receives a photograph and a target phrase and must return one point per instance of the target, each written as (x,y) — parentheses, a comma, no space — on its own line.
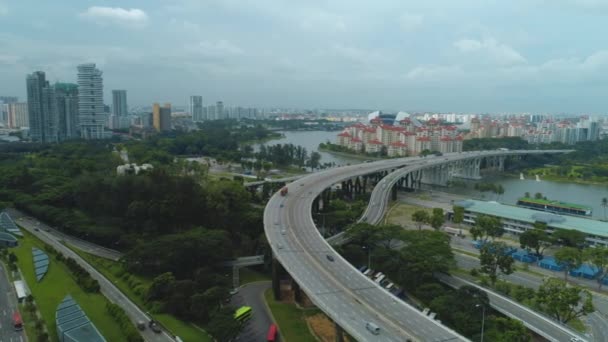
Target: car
(155,327)
(576,339)
(234,291)
(283,231)
(280,246)
(47,229)
(281,205)
(329,257)
(36,229)
(141,325)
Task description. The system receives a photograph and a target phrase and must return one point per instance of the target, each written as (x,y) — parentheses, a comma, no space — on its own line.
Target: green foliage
(536,239)
(223,327)
(124,322)
(437,218)
(502,329)
(513,143)
(598,257)
(461,309)
(570,258)
(493,258)
(563,302)
(486,227)
(420,217)
(570,237)
(83,278)
(458,214)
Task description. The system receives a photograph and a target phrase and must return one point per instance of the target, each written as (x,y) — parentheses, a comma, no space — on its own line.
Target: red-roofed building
(344,138)
(373,146)
(397,149)
(356,145)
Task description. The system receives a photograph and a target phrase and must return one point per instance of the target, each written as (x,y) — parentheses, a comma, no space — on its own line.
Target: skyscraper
(219,110)
(66,100)
(196,108)
(161,117)
(41,108)
(91,116)
(119,102)
(17,115)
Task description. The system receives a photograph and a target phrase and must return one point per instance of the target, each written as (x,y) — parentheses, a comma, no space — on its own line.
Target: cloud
(217,49)
(434,73)
(9,59)
(133,17)
(410,22)
(491,50)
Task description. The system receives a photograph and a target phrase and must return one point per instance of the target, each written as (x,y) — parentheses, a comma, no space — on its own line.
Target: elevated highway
(335,286)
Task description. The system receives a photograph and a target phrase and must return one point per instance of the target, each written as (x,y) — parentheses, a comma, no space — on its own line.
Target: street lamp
(483,317)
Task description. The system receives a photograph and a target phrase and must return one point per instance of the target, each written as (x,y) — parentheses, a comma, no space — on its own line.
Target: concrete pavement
(8,305)
(253,295)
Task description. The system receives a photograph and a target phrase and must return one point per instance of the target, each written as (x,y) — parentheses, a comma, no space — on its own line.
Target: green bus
(243,314)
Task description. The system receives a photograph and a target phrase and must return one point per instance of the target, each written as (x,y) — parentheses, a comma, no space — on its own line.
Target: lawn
(115,272)
(57,283)
(401,214)
(248,275)
(290,320)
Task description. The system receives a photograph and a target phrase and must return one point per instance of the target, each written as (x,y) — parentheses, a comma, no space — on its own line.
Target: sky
(482,56)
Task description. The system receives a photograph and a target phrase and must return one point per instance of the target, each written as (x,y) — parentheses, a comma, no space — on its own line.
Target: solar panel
(41,263)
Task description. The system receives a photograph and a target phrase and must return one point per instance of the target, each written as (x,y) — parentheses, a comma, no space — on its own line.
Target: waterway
(311,140)
(585,194)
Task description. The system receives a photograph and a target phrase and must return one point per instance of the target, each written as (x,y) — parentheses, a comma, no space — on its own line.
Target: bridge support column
(339,333)
(276,281)
(394,192)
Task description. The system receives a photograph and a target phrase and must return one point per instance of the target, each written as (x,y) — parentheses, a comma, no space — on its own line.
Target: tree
(486,227)
(537,239)
(570,258)
(500,190)
(538,195)
(493,258)
(503,329)
(222,326)
(161,286)
(458,217)
(604,205)
(420,217)
(598,257)
(527,195)
(437,219)
(314,159)
(570,237)
(564,302)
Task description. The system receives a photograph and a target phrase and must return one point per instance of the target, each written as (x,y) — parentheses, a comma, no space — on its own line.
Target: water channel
(585,194)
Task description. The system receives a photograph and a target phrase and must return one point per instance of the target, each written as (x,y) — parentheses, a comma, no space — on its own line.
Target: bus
(272,333)
(243,314)
(17,322)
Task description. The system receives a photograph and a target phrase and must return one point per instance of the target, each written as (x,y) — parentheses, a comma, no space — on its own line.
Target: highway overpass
(335,286)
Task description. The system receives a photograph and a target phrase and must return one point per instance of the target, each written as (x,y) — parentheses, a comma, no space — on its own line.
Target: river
(585,194)
(311,140)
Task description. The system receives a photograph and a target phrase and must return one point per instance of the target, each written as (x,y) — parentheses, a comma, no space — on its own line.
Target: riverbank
(350,155)
(573,176)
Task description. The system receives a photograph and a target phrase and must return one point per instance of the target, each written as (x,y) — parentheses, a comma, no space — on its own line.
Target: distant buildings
(17,115)
(405,137)
(196,108)
(92,117)
(119,103)
(40,102)
(66,102)
(219,110)
(161,117)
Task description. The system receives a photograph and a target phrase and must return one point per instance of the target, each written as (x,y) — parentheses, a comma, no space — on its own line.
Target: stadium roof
(41,263)
(587,226)
(73,325)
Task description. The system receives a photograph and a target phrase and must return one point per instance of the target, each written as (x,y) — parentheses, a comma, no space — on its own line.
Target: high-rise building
(91,116)
(196,108)
(17,115)
(66,100)
(41,108)
(219,110)
(119,103)
(9,99)
(161,117)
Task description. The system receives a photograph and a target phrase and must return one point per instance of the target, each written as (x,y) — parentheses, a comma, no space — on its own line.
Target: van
(374,329)
(379,279)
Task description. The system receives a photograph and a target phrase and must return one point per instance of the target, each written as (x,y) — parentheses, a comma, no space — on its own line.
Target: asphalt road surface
(8,305)
(253,295)
(108,289)
(335,286)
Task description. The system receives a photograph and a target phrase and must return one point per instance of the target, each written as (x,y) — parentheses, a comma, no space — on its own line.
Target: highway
(336,287)
(108,289)
(8,305)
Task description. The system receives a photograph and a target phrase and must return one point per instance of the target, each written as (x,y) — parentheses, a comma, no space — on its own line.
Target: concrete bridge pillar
(501,163)
(276,279)
(339,333)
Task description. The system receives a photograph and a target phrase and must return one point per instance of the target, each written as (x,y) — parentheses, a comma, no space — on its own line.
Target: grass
(401,214)
(248,275)
(116,273)
(56,284)
(290,319)
(577,325)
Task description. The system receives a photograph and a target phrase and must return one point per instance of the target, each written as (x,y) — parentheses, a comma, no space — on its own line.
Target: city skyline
(436,56)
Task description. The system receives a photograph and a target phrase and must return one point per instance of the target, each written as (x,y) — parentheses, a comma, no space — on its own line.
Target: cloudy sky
(442,55)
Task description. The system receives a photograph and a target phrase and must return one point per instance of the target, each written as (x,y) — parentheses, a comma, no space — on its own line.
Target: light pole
(483,317)
(369,256)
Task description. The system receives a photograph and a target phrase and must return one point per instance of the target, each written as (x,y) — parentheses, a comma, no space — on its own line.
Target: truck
(284,191)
